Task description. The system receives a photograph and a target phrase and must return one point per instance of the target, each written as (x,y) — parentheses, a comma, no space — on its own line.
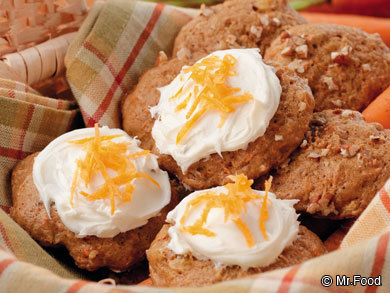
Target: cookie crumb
(301,106)
(329,82)
(287,51)
(256,30)
(302,51)
(278,137)
(366,67)
(276,21)
(341,57)
(264,19)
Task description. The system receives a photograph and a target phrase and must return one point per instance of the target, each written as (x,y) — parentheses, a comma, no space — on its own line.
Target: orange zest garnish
(101,154)
(211,75)
(234,203)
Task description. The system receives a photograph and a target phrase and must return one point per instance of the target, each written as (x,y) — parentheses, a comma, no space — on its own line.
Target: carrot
(367,23)
(362,7)
(379,110)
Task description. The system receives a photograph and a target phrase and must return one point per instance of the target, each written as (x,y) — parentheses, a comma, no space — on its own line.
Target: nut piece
(231,39)
(278,137)
(184,54)
(366,67)
(329,82)
(302,51)
(256,30)
(304,144)
(341,57)
(287,51)
(285,35)
(276,21)
(161,58)
(301,106)
(297,66)
(264,19)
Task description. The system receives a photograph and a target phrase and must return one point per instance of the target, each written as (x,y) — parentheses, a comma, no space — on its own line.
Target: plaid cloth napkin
(118,41)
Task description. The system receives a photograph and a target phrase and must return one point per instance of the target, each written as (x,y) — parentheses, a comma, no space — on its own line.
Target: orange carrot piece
(367,23)
(379,110)
(379,8)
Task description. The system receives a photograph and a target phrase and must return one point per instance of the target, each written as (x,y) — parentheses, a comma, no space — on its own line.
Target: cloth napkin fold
(119,41)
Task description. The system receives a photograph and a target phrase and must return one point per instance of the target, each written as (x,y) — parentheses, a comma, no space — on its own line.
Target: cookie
(236,24)
(283,135)
(117,253)
(345,67)
(338,168)
(170,270)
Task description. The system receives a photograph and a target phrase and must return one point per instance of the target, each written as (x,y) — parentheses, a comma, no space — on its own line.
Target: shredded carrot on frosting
(212,91)
(101,154)
(234,203)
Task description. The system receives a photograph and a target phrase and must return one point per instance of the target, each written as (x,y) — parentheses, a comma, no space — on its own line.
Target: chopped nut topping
(341,57)
(302,51)
(329,82)
(366,67)
(161,58)
(301,106)
(287,51)
(298,40)
(347,113)
(314,156)
(285,35)
(276,21)
(350,151)
(337,103)
(231,39)
(297,66)
(278,137)
(304,144)
(184,54)
(256,30)
(264,19)
(376,138)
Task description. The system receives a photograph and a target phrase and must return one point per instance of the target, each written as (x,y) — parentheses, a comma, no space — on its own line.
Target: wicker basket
(34,38)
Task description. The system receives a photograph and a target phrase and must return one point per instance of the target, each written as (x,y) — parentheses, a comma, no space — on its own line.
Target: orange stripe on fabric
(287,279)
(5,208)
(77,286)
(385,198)
(129,62)
(13,154)
(379,261)
(6,239)
(5,264)
(104,59)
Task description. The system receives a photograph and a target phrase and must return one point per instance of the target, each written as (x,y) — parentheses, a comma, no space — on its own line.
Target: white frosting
(249,121)
(53,173)
(229,247)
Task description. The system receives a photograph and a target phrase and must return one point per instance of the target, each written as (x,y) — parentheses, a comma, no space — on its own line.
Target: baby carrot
(379,110)
(367,23)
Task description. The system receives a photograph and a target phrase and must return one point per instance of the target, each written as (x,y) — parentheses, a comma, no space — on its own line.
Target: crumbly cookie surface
(170,270)
(236,24)
(338,169)
(118,253)
(283,135)
(345,67)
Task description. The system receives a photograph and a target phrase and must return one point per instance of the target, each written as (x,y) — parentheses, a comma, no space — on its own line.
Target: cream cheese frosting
(53,174)
(229,247)
(248,122)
